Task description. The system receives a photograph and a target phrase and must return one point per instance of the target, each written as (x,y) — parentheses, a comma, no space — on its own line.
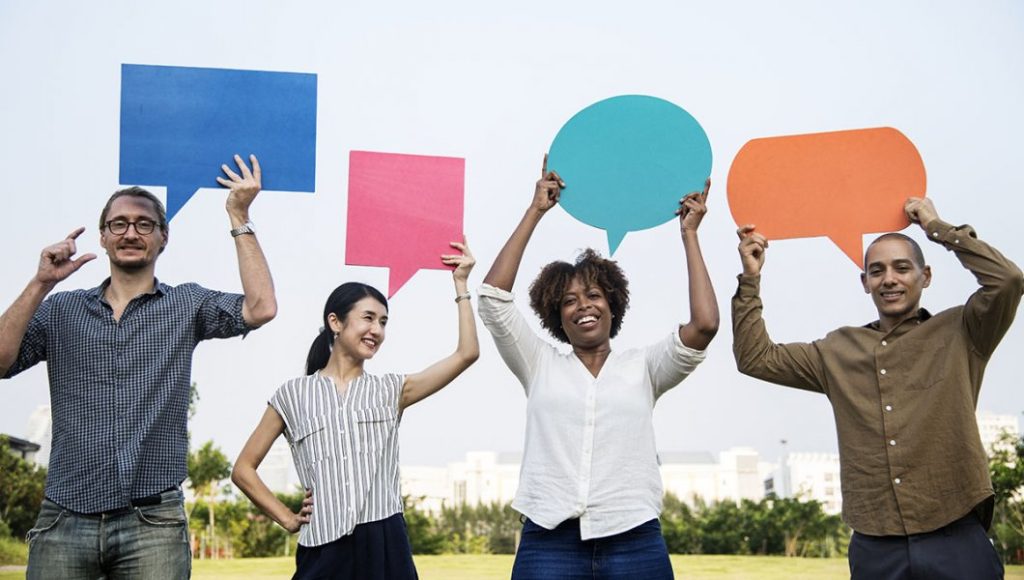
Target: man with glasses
(119,360)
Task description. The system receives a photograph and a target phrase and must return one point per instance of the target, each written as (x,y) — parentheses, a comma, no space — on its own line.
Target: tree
(206,467)
(1006,467)
(21,491)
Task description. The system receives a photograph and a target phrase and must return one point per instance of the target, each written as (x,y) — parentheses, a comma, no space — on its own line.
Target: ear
(927,273)
(864,282)
(335,324)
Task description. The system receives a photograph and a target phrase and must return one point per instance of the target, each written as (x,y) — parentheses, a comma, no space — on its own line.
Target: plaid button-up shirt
(119,389)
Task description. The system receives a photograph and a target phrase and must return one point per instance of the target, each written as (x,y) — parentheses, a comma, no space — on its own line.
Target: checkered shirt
(119,389)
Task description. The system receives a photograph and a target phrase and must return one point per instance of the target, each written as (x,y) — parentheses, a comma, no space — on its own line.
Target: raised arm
(703,324)
(260,305)
(545,195)
(992,308)
(794,364)
(421,385)
(55,264)
(244,474)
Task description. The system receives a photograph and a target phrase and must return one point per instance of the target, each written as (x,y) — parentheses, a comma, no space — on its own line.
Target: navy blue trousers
(373,551)
(560,553)
(960,550)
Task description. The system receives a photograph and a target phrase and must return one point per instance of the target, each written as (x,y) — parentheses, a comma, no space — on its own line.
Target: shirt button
(885,343)
(888,407)
(892,442)
(897,481)
(935,234)
(882,371)
(956,241)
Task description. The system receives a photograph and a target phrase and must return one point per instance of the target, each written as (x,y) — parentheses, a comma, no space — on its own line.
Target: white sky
(493,85)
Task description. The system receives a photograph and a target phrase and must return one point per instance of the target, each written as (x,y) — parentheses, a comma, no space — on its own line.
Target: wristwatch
(246,228)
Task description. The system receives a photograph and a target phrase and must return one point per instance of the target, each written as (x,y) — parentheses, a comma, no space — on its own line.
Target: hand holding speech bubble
(840,184)
(403,210)
(179,124)
(626,161)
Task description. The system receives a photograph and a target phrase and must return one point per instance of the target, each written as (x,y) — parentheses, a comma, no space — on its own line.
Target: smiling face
(586,315)
(361,334)
(132,251)
(894,279)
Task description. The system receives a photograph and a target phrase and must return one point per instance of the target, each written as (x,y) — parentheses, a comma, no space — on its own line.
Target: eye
(119,224)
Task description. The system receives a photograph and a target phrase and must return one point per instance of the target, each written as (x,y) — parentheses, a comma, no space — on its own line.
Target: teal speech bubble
(626,161)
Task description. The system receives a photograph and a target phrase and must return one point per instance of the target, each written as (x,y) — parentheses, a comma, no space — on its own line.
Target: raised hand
(55,263)
(548,189)
(692,208)
(752,249)
(243,187)
(463,262)
(920,211)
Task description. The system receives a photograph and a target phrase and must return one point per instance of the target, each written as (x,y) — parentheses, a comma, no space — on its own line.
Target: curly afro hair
(547,289)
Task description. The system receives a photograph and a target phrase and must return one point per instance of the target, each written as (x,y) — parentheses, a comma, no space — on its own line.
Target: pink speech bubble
(403,210)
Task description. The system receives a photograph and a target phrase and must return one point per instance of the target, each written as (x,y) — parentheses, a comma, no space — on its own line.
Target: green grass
(488,567)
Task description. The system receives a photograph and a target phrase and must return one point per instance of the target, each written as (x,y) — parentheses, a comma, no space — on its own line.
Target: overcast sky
(493,84)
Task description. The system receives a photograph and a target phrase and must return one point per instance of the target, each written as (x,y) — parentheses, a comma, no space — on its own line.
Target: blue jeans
(560,553)
(145,542)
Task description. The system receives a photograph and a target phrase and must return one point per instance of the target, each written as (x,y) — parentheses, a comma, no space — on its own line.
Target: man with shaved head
(904,388)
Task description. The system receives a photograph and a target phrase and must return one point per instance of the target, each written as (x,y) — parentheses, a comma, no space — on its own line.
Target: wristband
(462,297)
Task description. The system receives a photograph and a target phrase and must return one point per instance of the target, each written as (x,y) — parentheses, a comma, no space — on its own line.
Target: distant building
(21,448)
(737,474)
(277,470)
(809,476)
(40,431)
(488,476)
(992,426)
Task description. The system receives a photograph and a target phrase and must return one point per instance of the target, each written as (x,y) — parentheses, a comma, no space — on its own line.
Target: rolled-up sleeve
(517,343)
(669,361)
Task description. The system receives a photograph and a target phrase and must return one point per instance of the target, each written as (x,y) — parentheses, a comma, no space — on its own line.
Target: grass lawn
(488,567)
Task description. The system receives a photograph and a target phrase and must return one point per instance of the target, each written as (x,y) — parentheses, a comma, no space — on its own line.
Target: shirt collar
(159,289)
(922,315)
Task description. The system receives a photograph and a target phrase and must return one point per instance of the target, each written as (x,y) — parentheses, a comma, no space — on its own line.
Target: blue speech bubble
(626,161)
(179,124)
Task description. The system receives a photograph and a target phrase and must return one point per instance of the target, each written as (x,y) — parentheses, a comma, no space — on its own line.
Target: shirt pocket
(373,428)
(311,439)
(924,363)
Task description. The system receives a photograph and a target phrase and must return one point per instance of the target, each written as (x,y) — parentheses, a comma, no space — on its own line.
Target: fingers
(224,182)
(227,171)
(242,167)
(544,167)
(707,189)
(556,177)
(81,261)
(74,235)
(745,230)
(256,171)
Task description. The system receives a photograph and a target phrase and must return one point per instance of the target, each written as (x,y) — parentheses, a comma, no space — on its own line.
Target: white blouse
(345,448)
(589,450)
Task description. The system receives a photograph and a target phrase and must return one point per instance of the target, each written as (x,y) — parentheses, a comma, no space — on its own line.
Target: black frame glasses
(119,227)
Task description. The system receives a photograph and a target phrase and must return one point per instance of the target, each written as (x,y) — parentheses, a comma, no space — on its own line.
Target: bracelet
(462,297)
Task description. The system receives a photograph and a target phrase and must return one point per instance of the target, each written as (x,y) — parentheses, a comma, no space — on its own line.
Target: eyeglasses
(142,227)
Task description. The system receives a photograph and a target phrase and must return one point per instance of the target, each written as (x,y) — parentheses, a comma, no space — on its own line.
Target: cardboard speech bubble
(840,184)
(179,124)
(626,161)
(403,210)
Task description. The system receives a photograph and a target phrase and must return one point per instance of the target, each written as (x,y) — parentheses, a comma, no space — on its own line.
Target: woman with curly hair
(589,487)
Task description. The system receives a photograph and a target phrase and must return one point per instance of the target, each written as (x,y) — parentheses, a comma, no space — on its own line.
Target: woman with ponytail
(342,425)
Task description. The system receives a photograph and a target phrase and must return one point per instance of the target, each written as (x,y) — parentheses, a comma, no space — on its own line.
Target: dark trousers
(373,551)
(958,551)
(560,554)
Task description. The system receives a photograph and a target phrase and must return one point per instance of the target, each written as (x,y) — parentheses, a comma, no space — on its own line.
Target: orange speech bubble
(841,184)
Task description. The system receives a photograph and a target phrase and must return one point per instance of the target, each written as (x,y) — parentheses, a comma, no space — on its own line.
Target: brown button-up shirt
(910,455)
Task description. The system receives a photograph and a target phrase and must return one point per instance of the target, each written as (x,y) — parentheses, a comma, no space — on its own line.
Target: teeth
(586,319)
